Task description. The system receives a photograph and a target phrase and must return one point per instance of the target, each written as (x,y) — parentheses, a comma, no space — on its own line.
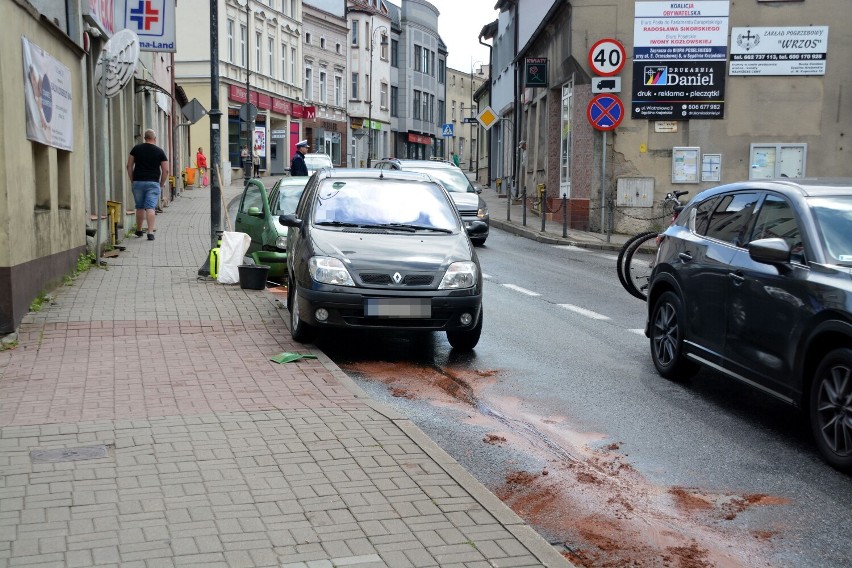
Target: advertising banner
(680,60)
(260,141)
(47,97)
(779,51)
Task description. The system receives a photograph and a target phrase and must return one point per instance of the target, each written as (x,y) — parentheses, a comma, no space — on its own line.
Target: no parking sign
(605,111)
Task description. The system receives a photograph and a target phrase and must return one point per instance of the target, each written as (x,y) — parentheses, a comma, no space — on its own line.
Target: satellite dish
(117,63)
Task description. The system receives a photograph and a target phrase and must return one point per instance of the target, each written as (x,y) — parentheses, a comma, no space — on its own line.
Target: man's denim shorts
(146,194)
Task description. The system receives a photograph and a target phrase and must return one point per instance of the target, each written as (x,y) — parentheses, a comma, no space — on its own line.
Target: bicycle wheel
(619,264)
(638,263)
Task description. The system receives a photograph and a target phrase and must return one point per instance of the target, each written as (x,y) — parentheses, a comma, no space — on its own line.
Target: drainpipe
(488,132)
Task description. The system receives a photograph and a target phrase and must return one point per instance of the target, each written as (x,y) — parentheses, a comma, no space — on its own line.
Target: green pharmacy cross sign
(535,71)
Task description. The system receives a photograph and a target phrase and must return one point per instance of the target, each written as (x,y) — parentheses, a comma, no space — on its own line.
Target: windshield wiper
(339,224)
(412,227)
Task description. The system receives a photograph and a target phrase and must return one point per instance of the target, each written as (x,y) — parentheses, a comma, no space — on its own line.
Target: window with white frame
(231,25)
(322,86)
(418,59)
(354,91)
(243,37)
(383,95)
(292,65)
(454,111)
(270,42)
(257,60)
(309,84)
(355,33)
(338,90)
(284,62)
(384,47)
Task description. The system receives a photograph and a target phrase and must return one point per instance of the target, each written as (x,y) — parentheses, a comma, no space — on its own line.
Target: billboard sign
(680,60)
(779,51)
(47,98)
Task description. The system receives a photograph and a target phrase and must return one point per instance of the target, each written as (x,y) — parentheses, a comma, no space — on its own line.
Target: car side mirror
(477,228)
(290,220)
(255,212)
(769,251)
(478,190)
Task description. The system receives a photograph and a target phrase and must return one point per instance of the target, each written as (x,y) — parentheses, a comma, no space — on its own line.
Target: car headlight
(281,242)
(482,212)
(459,275)
(329,271)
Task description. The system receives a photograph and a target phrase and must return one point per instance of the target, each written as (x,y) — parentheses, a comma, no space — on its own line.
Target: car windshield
(314,162)
(288,198)
(453,178)
(383,202)
(834,218)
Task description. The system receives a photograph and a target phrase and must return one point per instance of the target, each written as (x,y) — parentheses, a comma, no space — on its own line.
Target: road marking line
(521,290)
(590,252)
(584,312)
(638,331)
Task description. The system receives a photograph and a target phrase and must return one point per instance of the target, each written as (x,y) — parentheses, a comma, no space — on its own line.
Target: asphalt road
(565,340)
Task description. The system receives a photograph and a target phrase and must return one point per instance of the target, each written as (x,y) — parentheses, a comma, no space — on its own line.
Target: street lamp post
(370,92)
(247,167)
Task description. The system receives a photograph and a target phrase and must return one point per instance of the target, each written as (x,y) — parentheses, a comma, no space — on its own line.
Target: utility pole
(370,90)
(215,137)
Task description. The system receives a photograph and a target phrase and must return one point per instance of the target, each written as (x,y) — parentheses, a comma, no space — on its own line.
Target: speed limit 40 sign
(606,58)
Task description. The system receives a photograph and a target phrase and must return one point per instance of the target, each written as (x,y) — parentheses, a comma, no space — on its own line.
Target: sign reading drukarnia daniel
(679,60)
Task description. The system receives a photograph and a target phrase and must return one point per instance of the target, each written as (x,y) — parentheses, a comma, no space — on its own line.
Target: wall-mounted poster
(47,96)
(686,164)
(711,167)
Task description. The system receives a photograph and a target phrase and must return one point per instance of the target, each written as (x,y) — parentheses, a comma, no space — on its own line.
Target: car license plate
(398,307)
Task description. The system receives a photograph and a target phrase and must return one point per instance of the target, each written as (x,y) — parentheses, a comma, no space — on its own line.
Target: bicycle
(637,257)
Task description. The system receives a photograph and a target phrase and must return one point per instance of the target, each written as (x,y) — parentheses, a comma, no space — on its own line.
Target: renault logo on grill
(397,277)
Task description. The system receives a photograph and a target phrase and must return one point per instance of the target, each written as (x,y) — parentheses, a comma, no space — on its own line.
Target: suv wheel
(299,330)
(831,408)
(667,329)
(466,339)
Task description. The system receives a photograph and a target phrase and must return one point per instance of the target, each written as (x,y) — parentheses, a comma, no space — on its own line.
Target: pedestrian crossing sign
(447,130)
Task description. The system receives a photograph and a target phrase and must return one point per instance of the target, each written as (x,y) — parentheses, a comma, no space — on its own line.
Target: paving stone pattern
(216,455)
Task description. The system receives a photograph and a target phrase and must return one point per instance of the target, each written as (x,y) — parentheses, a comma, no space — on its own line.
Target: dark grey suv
(472,208)
(754,280)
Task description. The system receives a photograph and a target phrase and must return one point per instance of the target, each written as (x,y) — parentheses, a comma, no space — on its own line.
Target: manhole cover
(69,454)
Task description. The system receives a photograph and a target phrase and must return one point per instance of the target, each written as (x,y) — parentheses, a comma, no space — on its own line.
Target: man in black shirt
(148,169)
(298,166)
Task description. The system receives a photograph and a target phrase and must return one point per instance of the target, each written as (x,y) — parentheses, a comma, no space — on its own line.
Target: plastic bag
(231,253)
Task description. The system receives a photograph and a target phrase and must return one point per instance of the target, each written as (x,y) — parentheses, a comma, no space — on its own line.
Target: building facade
(261,61)
(754,90)
(461,105)
(325,46)
(418,81)
(369,80)
(66,140)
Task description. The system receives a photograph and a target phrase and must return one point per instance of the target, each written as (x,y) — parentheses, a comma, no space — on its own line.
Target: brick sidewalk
(214,455)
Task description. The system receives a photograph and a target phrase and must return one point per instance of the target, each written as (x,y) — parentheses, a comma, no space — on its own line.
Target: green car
(257,216)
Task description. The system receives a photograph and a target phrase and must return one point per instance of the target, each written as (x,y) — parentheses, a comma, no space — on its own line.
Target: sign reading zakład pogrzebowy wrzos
(779,51)
(679,60)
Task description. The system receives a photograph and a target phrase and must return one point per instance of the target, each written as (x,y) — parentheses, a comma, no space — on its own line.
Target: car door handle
(738,279)
(684,256)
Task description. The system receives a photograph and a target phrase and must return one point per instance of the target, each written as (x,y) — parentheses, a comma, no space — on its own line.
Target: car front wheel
(299,330)
(831,408)
(466,339)
(667,330)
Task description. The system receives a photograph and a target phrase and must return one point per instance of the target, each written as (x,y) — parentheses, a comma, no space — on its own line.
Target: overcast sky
(459,25)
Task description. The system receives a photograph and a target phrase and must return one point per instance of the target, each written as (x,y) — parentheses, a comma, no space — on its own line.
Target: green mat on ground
(290,357)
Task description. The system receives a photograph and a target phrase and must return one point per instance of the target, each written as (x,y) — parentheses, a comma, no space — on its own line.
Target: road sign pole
(603,182)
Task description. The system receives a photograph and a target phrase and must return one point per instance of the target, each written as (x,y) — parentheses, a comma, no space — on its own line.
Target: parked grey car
(470,204)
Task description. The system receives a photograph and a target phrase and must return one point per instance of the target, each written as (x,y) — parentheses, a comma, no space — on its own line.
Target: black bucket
(253,276)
